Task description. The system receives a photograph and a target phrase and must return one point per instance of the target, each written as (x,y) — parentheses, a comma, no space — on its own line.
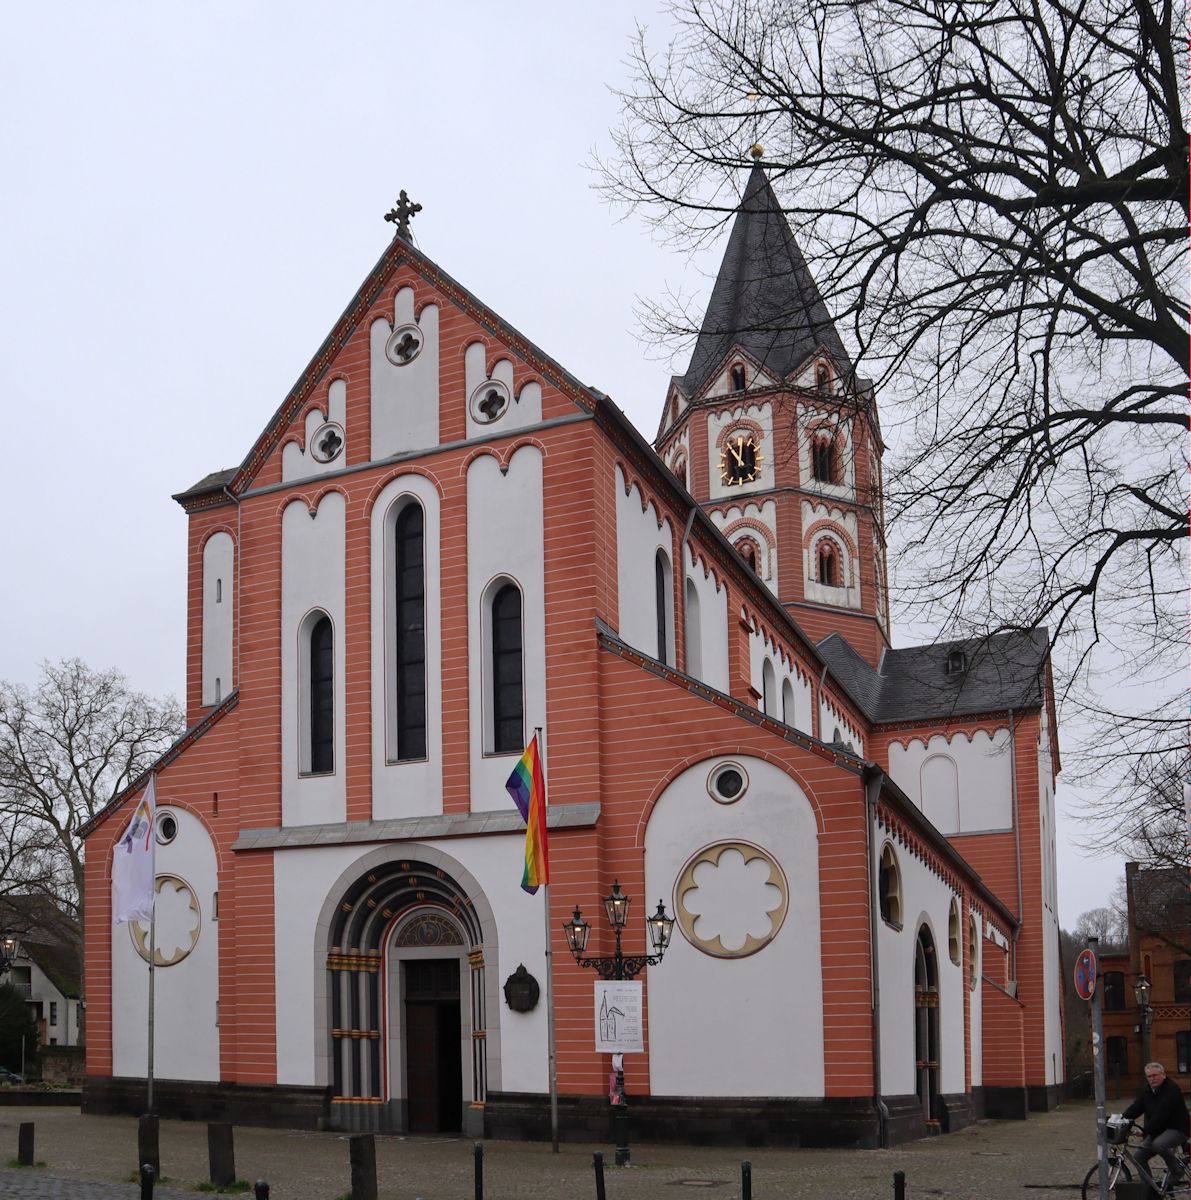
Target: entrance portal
(433,1059)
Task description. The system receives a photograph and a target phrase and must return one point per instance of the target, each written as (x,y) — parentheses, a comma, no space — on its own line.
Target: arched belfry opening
(407,1000)
(926,1027)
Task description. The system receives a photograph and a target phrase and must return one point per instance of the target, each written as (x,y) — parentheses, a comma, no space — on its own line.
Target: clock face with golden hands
(740,459)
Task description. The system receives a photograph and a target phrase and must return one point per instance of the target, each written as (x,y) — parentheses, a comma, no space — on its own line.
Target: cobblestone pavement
(91,1158)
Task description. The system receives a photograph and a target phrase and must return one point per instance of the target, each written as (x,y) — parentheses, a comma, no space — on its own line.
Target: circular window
(327,443)
(489,401)
(404,345)
(167,828)
(727,783)
(731,899)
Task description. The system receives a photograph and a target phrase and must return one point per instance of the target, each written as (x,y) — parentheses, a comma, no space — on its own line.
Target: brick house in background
(1159,925)
(442,540)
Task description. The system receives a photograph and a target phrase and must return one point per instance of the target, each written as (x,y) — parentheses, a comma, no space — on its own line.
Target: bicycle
(1125,1167)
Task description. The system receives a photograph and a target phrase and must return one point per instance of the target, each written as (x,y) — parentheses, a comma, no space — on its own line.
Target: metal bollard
(25,1155)
(478,1152)
(362,1151)
(147,1177)
(899,1185)
(746,1180)
(597,1162)
(221,1154)
(261,1190)
(147,1146)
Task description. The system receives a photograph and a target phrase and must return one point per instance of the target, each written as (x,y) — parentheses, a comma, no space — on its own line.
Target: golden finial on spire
(758,150)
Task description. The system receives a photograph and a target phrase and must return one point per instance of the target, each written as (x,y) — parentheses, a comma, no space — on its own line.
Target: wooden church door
(433,1060)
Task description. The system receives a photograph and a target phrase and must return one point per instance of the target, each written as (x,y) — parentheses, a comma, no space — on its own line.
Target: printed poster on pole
(618,1024)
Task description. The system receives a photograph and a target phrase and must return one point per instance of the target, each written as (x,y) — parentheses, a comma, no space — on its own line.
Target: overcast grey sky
(193,194)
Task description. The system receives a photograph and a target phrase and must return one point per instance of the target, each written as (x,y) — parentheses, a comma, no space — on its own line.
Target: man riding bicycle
(1166,1122)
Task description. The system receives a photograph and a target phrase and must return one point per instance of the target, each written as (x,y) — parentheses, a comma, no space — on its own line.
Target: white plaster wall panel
(404,396)
(926,899)
(523,408)
(318,457)
(186,1045)
(831,719)
(754,420)
(838,525)
(312,577)
(713,622)
(984,767)
(303,880)
(640,534)
(504,540)
(802,716)
(413,788)
(219,604)
(722,384)
(812,418)
(699,1047)
(758,522)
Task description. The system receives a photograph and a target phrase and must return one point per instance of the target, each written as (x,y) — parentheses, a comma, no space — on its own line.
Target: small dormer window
(821,377)
(738,380)
(957,662)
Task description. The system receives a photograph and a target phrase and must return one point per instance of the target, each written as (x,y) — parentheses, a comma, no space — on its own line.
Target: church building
(442,542)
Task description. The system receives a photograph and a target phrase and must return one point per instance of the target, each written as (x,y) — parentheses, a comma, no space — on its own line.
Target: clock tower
(772,431)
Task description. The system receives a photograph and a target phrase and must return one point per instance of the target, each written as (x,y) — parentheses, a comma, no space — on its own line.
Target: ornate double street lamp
(1141,994)
(620,966)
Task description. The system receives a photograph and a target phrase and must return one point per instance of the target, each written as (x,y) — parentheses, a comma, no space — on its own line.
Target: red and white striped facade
(293,901)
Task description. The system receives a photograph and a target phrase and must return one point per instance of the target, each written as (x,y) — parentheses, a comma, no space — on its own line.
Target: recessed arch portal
(376,922)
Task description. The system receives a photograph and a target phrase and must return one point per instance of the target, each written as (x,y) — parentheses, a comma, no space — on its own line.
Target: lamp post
(1141,994)
(619,965)
(8,951)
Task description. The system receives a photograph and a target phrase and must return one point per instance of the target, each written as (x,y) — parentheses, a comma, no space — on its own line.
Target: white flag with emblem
(134,863)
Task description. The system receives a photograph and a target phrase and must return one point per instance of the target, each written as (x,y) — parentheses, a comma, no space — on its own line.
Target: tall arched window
(508,692)
(410,632)
(748,551)
(692,626)
(830,574)
(787,702)
(661,581)
(768,689)
(889,887)
(322,697)
(823,459)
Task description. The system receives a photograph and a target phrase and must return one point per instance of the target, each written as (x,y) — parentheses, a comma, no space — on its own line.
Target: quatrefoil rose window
(404,345)
(731,899)
(327,442)
(489,401)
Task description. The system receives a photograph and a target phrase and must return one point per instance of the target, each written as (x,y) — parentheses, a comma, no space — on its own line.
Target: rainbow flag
(527,786)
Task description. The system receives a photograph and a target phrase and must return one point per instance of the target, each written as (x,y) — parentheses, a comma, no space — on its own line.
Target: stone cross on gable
(401,213)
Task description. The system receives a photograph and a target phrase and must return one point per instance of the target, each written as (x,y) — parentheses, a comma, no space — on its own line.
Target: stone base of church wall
(707,1121)
(1006,1103)
(1046,1097)
(957,1112)
(278,1106)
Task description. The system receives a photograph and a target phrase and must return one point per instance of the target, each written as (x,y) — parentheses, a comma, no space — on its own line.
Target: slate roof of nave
(765,299)
(1006,670)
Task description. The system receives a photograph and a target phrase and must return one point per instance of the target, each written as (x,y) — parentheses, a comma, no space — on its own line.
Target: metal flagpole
(553,1057)
(152,957)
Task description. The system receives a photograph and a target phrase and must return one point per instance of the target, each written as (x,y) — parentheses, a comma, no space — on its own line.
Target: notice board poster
(618,1024)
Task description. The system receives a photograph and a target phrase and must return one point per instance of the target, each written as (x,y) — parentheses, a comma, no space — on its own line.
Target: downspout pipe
(873,778)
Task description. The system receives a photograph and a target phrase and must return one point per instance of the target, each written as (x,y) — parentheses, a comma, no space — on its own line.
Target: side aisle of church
(441,542)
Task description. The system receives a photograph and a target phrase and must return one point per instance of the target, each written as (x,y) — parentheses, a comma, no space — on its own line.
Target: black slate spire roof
(764,299)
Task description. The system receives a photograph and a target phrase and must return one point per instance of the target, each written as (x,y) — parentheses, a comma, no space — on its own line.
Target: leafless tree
(993,198)
(1105,923)
(67,748)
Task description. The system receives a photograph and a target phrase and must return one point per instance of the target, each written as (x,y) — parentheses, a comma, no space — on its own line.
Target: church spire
(764,299)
